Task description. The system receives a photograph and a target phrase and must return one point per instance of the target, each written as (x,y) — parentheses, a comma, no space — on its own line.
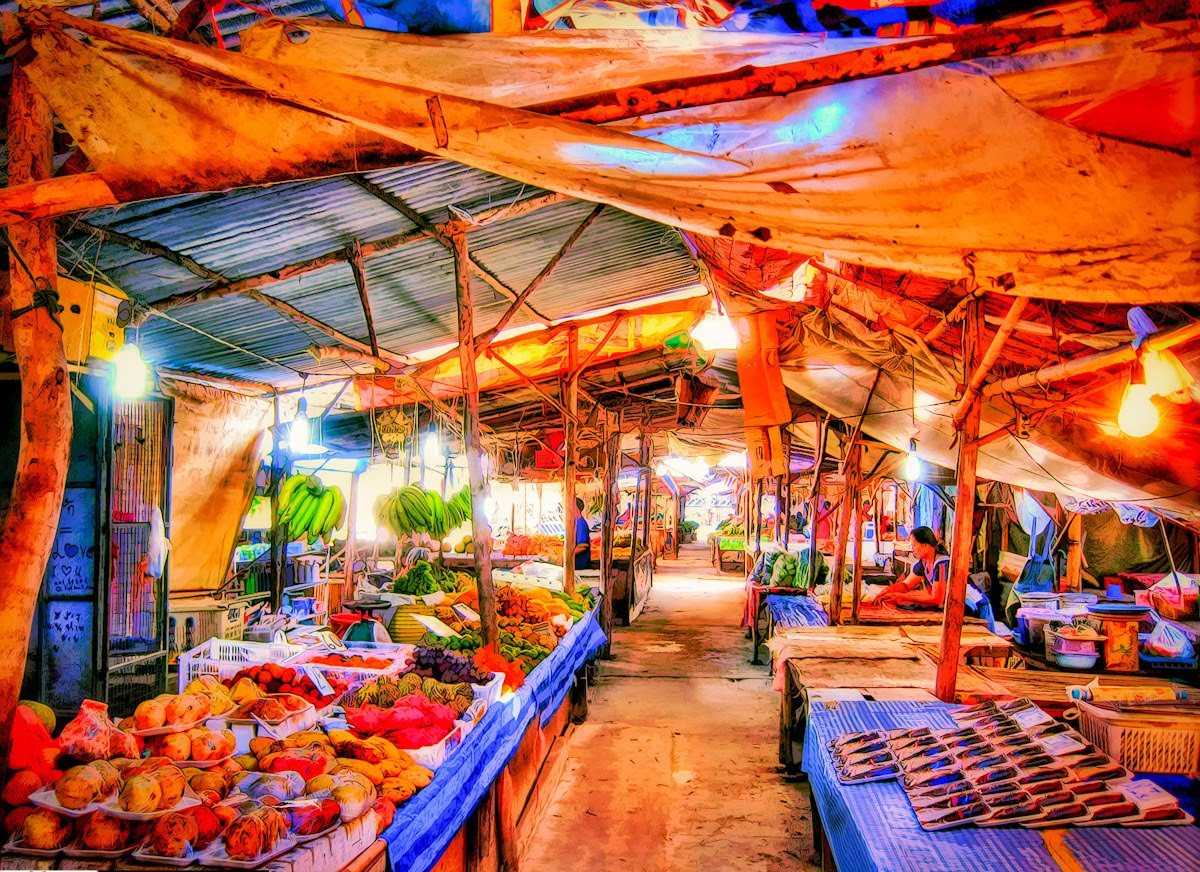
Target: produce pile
(546,547)
(412,509)
(783,569)
(424,577)
(309,509)
(385,691)
(447,666)
(255,682)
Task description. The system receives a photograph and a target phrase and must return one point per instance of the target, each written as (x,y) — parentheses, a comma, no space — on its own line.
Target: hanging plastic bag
(156,553)
(1168,640)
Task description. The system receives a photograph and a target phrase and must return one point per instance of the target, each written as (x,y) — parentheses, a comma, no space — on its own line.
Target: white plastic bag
(156,552)
(1168,641)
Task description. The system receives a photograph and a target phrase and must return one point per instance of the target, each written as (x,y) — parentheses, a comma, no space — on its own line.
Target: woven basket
(1166,742)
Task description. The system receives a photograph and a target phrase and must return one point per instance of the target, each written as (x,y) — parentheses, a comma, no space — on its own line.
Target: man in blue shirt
(583,538)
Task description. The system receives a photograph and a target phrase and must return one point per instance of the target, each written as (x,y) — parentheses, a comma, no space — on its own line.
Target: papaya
(44,713)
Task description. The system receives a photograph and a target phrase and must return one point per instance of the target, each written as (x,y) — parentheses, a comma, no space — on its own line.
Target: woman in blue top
(925,585)
(583,538)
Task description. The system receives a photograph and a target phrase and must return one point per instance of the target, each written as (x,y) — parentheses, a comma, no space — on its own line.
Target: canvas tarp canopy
(911,171)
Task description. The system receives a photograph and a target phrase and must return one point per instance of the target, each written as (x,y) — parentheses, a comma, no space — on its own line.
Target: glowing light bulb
(715,332)
(912,462)
(431,450)
(298,432)
(1138,415)
(130,373)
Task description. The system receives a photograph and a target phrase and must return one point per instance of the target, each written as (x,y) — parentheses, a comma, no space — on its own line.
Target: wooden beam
(976,379)
(745,83)
(224,383)
(618,320)
(191,16)
(858,425)
(396,202)
(299,317)
(338,256)
(963,541)
(159,18)
(50,197)
(1075,552)
(485,338)
(528,382)
(355,256)
(953,316)
(1160,341)
(144,246)
(570,428)
(323,353)
(480,529)
(35,502)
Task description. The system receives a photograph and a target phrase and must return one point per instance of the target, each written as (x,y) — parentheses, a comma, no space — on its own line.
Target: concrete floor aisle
(675,768)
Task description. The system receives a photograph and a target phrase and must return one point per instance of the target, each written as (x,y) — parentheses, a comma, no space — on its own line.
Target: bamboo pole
(351,543)
(1075,552)
(35,501)
(962,546)
(975,381)
(570,428)
(1160,341)
(481,531)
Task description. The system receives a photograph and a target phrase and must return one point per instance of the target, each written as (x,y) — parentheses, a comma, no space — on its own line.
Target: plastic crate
(1173,664)
(400,656)
(224,658)
(1166,742)
(190,623)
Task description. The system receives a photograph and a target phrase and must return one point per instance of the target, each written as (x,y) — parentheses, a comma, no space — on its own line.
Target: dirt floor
(675,768)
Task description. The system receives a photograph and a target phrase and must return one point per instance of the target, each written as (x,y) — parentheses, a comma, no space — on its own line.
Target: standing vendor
(925,584)
(583,538)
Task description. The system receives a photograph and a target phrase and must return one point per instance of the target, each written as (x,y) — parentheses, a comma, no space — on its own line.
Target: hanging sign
(393,426)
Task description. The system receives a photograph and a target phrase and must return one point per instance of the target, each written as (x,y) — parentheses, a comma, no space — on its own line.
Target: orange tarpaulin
(541,355)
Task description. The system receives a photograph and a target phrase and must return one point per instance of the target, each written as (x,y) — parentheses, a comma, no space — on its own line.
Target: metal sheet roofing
(619,259)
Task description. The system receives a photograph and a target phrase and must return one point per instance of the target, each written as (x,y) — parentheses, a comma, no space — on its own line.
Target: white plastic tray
(216,856)
(113,808)
(76,850)
(46,798)
(157,860)
(14,846)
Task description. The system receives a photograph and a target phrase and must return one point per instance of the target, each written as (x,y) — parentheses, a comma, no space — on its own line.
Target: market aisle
(675,768)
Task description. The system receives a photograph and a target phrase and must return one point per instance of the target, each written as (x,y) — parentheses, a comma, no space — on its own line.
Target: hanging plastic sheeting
(1137,516)
(833,363)
(905,171)
(218,443)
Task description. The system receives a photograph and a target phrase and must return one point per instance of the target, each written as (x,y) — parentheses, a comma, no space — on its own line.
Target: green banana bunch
(309,509)
(412,509)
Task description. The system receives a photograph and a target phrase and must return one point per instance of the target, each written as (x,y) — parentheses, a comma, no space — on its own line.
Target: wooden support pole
(1090,363)
(351,542)
(975,380)
(814,500)
(355,256)
(571,428)
(757,496)
(278,543)
(35,502)
(287,309)
(1075,553)
(481,530)
(531,384)
(837,571)
(780,484)
(644,459)
(612,499)
(963,542)
(854,468)
(617,321)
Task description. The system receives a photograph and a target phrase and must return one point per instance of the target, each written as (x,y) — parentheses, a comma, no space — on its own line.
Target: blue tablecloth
(426,824)
(872,826)
(795,611)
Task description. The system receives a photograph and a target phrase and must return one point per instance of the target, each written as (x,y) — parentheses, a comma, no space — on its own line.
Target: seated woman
(925,585)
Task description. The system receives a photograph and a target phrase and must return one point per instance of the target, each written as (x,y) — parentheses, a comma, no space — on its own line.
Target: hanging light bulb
(715,331)
(912,462)
(1138,416)
(130,372)
(298,432)
(431,450)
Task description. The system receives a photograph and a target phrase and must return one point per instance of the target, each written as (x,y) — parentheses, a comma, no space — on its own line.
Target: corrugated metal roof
(619,259)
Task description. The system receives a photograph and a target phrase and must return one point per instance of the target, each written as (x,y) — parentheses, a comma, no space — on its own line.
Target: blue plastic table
(426,824)
(872,826)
